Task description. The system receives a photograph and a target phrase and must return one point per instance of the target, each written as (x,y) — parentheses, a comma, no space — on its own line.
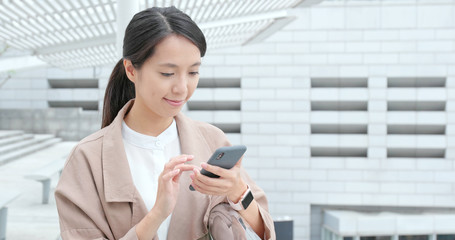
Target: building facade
(348,109)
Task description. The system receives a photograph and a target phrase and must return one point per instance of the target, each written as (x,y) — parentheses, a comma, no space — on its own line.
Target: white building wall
(375,40)
(344,39)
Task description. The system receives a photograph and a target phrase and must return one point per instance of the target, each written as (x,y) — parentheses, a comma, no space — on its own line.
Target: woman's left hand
(230,182)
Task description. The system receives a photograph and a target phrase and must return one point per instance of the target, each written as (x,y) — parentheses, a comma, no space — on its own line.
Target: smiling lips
(175,103)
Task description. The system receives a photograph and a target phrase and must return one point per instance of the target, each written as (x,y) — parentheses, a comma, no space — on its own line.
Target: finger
(184,167)
(239,163)
(215,169)
(177,177)
(207,180)
(168,176)
(178,160)
(208,184)
(207,191)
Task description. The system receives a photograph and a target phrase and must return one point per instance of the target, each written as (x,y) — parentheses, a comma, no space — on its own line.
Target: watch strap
(244,202)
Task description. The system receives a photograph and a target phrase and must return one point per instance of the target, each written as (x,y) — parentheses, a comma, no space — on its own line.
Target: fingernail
(190,156)
(192,176)
(204,165)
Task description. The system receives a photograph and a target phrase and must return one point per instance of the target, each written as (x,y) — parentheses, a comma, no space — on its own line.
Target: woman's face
(167,80)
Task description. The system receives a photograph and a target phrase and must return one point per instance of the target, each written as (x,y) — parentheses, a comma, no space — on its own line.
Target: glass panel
(421,237)
(446,237)
(348,238)
(376,238)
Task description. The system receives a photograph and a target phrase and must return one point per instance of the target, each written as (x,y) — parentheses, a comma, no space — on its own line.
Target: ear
(130,71)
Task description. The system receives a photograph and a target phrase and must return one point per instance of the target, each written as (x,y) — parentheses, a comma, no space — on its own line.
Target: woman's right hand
(166,197)
(168,184)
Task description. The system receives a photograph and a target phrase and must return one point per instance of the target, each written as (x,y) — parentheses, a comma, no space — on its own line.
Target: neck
(141,120)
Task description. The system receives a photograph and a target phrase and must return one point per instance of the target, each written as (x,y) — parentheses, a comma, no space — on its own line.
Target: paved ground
(27,217)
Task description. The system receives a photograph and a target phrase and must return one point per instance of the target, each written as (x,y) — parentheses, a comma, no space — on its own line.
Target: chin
(173,113)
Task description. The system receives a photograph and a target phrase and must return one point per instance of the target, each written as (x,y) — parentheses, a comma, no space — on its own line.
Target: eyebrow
(175,66)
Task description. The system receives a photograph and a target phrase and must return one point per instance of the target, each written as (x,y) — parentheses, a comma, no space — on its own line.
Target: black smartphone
(225,157)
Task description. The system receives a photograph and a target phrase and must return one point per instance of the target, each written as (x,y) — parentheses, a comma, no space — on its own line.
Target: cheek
(191,87)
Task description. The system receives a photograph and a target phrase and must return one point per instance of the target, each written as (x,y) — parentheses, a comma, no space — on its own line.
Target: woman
(130,179)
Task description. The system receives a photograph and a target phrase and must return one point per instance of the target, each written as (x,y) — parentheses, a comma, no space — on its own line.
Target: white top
(146,156)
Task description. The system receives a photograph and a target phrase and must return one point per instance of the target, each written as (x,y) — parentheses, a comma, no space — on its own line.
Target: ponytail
(119,91)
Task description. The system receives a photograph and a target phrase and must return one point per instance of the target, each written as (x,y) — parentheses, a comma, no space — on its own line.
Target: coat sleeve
(222,221)
(79,206)
(216,138)
(261,199)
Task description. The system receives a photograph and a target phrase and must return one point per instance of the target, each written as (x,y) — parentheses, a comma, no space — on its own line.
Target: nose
(180,86)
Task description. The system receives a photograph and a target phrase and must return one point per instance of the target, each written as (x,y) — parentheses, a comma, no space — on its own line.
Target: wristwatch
(244,202)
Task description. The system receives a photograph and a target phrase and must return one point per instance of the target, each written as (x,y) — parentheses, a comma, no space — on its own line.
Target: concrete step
(43,143)
(14,139)
(10,133)
(23,144)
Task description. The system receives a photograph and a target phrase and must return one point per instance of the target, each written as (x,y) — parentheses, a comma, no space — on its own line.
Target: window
(446,237)
(376,238)
(415,237)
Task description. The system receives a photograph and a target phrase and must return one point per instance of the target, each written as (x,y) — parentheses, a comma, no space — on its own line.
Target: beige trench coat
(96,197)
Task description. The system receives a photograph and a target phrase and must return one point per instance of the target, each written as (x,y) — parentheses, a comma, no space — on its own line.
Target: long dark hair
(143,32)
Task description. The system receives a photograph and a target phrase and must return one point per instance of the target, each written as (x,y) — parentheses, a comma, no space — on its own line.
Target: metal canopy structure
(82,33)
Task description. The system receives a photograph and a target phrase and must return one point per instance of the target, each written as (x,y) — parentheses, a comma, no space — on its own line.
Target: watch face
(247,200)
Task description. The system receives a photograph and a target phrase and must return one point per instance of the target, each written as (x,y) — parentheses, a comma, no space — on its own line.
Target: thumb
(239,163)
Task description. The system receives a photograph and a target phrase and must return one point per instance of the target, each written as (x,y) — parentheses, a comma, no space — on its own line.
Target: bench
(45,174)
(5,198)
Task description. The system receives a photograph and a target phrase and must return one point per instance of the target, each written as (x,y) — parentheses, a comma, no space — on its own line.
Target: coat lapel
(190,215)
(124,207)
(188,218)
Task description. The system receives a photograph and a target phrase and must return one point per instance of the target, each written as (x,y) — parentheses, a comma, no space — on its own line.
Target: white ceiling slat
(93,12)
(5,35)
(214,11)
(257,7)
(178,3)
(10,31)
(61,38)
(63,17)
(53,13)
(56,27)
(18,29)
(276,4)
(227,12)
(265,6)
(185,7)
(18,7)
(200,13)
(16,43)
(90,18)
(78,19)
(113,13)
(103,40)
(42,22)
(193,8)
(16,12)
(270,6)
(250,6)
(236,9)
(8,15)
(36,42)
(27,29)
(81,33)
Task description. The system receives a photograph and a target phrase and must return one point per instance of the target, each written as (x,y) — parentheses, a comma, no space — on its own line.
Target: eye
(167,74)
(194,73)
